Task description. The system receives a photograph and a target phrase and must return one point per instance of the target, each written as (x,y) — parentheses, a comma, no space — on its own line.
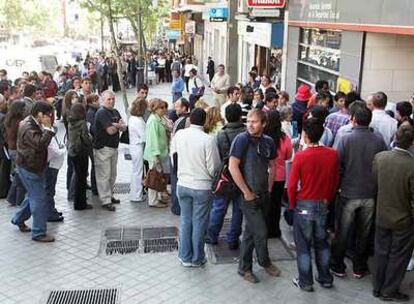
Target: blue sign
(218,14)
(172,34)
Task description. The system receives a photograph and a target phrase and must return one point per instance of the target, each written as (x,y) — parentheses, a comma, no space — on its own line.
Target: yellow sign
(344,85)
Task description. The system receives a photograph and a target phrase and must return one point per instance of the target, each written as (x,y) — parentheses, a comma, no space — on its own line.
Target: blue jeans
(51,176)
(217,214)
(309,226)
(35,203)
(195,206)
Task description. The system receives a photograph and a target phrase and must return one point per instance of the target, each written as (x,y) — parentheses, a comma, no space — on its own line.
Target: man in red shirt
(312,183)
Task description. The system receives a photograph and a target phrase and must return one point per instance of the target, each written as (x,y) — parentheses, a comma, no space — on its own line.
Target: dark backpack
(223,183)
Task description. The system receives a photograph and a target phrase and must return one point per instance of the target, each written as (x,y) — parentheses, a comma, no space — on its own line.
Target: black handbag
(124,139)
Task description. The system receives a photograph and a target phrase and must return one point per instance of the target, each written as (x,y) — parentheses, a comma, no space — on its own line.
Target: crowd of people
(341,167)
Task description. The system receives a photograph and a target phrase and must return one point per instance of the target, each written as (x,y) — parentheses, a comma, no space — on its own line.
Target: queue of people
(338,165)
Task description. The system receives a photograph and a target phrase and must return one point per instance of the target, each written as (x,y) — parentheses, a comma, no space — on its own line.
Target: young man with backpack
(221,202)
(250,154)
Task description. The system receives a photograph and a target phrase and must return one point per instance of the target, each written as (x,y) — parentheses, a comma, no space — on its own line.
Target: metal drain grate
(127,240)
(88,296)
(122,188)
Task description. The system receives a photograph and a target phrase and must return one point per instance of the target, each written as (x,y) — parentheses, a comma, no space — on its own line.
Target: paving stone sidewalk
(29,270)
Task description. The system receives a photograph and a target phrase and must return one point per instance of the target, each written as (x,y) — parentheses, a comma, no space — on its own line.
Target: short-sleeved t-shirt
(255,154)
(103,119)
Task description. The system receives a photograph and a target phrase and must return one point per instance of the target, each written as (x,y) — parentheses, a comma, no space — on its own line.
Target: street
(30,271)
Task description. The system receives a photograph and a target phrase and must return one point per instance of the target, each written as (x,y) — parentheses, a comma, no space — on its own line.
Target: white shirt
(220,82)
(136,129)
(384,124)
(187,68)
(55,154)
(197,156)
(192,81)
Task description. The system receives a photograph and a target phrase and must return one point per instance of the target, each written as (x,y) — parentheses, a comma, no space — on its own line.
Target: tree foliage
(27,14)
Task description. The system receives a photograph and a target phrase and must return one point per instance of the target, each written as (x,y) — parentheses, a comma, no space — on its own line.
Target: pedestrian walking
(177,86)
(220,84)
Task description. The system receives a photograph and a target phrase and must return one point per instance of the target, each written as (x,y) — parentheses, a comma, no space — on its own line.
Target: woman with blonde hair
(136,129)
(214,121)
(156,147)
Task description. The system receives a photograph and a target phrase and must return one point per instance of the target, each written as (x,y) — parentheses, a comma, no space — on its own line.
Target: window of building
(319,56)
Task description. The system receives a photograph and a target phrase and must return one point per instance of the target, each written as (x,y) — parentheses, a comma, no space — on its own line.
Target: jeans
(309,226)
(195,206)
(393,250)
(254,235)
(17,191)
(70,179)
(361,213)
(217,214)
(51,175)
(35,203)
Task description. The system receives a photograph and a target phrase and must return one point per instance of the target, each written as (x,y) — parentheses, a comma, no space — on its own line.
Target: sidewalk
(29,270)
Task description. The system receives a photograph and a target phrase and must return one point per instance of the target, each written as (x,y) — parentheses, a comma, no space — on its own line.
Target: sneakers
(185,264)
(249,276)
(272,270)
(109,207)
(115,201)
(324,284)
(296,283)
(360,275)
(198,265)
(339,274)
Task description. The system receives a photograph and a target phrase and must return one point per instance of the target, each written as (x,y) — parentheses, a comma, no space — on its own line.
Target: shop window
(319,56)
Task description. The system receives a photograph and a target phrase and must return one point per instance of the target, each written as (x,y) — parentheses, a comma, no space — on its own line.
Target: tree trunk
(117,53)
(144,47)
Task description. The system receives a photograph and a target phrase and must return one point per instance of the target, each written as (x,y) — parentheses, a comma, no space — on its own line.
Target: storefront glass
(319,56)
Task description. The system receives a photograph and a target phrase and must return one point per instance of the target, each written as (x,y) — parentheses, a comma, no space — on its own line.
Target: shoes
(208,240)
(85,207)
(139,200)
(396,297)
(296,283)
(339,274)
(360,275)
(249,276)
(109,207)
(375,293)
(272,270)
(44,239)
(56,219)
(24,228)
(115,201)
(60,213)
(234,245)
(185,264)
(198,265)
(324,284)
(159,205)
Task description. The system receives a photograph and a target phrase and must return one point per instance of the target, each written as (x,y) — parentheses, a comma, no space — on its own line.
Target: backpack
(223,183)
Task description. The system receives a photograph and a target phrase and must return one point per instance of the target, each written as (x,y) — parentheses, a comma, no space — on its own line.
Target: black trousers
(80,165)
(186,80)
(393,250)
(5,169)
(254,234)
(272,210)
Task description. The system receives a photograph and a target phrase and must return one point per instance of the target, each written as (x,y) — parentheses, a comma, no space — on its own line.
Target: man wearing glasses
(250,154)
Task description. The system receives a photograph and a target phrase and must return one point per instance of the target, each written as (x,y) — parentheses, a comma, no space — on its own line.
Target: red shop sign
(266,3)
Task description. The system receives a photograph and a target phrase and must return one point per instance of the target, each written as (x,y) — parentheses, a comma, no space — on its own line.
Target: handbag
(155,180)
(124,137)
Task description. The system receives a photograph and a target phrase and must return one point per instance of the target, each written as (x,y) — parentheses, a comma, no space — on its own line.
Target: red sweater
(314,175)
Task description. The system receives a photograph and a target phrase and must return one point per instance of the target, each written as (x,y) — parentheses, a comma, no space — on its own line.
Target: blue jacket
(177,85)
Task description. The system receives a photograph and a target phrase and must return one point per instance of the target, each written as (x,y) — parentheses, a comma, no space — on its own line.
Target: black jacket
(226,135)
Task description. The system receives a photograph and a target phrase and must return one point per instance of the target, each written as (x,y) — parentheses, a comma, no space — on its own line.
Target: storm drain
(220,253)
(88,296)
(127,240)
(122,188)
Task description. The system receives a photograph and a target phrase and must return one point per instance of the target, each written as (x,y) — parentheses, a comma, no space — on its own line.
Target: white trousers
(137,155)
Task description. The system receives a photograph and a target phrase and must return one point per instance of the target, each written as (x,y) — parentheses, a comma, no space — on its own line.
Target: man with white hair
(108,123)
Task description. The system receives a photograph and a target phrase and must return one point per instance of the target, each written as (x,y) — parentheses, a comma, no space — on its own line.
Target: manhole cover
(127,240)
(122,188)
(220,253)
(87,296)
